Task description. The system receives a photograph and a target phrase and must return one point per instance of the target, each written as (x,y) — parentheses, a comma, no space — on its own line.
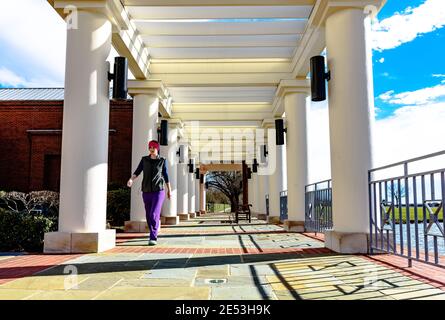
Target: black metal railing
(318,202)
(283,205)
(267,204)
(406,209)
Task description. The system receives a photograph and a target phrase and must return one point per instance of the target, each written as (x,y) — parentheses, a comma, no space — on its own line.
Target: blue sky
(408,67)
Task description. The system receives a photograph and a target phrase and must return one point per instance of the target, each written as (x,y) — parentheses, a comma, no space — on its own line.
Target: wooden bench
(243,213)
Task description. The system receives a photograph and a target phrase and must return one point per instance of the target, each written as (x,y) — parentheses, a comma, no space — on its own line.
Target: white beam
(185,3)
(221,116)
(216,66)
(218,12)
(221,52)
(174,41)
(221,79)
(220,28)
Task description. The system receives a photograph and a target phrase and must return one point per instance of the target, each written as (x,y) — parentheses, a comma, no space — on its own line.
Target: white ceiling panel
(203,27)
(172,41)
(221,53)
(218,12)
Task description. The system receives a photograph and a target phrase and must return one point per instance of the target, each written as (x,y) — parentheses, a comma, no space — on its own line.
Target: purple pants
(153,204)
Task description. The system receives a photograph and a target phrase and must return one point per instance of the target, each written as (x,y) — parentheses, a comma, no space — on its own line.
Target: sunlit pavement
(209,258)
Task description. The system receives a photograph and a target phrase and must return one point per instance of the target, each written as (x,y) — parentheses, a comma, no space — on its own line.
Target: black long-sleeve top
(140,168)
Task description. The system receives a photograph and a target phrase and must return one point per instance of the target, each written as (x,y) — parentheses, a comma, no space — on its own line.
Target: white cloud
(408,25)
(411,132)
(37,34)
(438,75)
(418,97)
(386,96)
(382,60)
(9,78)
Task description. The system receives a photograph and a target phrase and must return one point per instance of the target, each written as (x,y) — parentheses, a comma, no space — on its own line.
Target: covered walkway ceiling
(219,56)
(219,60)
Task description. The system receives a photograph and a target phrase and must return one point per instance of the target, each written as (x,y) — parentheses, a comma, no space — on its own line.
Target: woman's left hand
(168,194)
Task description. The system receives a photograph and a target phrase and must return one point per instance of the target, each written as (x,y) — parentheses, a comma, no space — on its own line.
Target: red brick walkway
(27,265)
(221,251)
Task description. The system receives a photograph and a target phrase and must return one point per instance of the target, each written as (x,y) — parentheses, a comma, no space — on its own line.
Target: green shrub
(20,231)
(118,206)
(33,231)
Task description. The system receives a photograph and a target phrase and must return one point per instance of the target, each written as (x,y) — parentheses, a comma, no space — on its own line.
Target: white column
(351,114)
(277,183)
(254,193)
(83,185)
(182,189)
(192,195)
(263,190)
(296,152)
(169,209)
(145,118)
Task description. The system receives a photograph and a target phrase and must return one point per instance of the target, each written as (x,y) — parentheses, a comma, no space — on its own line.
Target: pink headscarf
(154,144)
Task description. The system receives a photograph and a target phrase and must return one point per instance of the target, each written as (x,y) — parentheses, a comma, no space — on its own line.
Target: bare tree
(229,183)
(393,193)
(28,202)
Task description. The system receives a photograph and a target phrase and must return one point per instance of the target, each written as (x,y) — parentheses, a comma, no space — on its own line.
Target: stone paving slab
(188,274)
(242,293)
(155,293)
(65,295)
(257,261)
(16,294)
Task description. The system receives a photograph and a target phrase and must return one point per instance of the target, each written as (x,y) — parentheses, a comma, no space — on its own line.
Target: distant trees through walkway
(224,187)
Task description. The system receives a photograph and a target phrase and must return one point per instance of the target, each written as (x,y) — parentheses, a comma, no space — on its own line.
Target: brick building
(31,139)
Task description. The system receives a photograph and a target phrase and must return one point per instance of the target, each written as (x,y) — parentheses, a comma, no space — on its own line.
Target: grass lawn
(420,214)
(219,207)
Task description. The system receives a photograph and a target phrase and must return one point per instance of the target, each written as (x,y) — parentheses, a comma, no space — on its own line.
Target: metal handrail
(392,229)
(431,155)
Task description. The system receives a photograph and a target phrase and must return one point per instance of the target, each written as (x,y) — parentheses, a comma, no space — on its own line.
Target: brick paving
(207,258)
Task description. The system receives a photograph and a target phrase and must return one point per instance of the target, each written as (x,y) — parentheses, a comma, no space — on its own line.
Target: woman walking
(154,181)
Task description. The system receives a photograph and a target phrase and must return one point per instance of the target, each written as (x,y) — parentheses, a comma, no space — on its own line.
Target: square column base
(203,212)
(170,221)
(198,213)
(346,242)
(273,220)
(183,216)
(296,226)
(136,226)
(91,242)
(192,215)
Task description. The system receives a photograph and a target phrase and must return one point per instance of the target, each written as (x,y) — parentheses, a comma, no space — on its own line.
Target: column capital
(148,87)
(326,8)
(269,123)
(293,86)
(152,88)
(125,35)
(112,9)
